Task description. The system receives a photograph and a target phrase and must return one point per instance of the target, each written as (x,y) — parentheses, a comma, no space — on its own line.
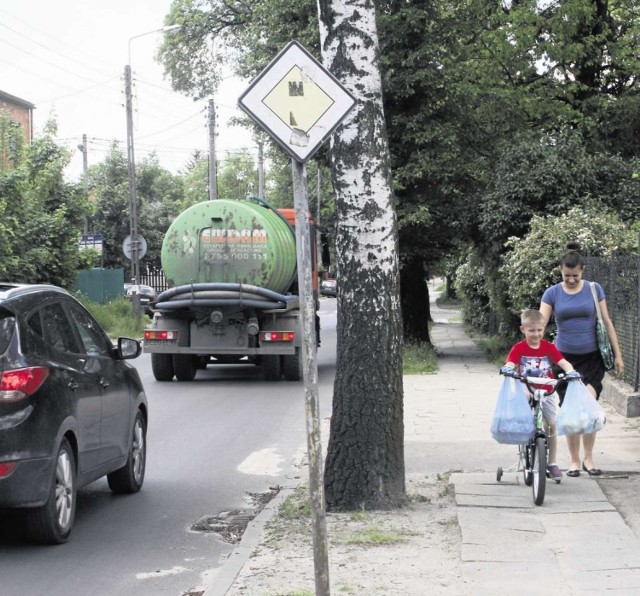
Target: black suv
(71,409)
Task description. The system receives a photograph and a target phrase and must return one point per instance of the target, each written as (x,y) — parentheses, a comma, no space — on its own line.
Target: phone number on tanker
(242,256)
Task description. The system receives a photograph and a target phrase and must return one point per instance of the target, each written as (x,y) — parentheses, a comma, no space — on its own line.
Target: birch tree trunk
(365,459)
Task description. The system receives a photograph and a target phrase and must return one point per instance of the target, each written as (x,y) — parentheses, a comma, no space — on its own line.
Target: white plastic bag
(580,412)
(512,421)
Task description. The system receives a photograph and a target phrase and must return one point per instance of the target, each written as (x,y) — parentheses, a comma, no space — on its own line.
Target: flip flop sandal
(591,471)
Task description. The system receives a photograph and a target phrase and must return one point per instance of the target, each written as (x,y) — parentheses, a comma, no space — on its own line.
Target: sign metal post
(300,104)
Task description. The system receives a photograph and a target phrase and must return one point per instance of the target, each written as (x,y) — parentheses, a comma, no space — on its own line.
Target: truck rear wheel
(185,366)
(272,367)
(162,366)
(292,366)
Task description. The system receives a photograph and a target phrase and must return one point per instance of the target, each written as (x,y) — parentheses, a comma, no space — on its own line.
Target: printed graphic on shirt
(533,366)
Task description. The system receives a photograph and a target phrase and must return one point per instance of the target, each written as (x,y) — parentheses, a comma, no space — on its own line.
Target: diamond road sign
(297,101)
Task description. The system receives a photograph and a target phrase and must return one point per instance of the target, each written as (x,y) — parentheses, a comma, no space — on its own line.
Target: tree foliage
(550,175)
(531,265)
(159,196)
(238,178)
(41,216)
(109,182)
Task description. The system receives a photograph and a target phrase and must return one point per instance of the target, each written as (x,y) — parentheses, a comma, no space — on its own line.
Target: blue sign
(91,241)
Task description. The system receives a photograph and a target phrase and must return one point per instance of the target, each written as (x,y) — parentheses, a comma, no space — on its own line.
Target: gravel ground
(413,550)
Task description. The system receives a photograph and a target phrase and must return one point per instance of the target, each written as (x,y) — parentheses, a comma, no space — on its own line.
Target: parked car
(328,287)
(71,409)
(148,296)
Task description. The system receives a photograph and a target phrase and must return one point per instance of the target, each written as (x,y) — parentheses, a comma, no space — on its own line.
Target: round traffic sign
(127,246)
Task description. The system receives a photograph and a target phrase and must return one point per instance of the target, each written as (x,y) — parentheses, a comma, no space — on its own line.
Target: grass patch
(116,317)
(296,507)
(446,303)
(293,516)
(419,359)
(496,348)
(374,536)
(362,515)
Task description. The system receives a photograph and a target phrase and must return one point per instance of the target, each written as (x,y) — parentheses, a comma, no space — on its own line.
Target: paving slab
(582,540)
(576,542)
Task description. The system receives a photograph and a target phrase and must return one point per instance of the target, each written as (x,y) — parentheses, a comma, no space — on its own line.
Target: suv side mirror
(128,348)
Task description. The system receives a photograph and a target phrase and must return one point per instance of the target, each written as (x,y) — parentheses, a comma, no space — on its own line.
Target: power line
(74,49)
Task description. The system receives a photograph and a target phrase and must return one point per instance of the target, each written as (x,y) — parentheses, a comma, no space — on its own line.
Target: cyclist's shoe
(554,472)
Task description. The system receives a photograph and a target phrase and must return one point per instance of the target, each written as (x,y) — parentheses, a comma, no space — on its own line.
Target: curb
(223,578)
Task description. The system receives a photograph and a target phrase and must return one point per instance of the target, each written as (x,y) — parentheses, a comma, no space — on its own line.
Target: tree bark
(415,301)
(365,459)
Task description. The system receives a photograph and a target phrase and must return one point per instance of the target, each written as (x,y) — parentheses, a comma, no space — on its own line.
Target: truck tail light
(277,336)
(7,468)
(22,382)
(164,335)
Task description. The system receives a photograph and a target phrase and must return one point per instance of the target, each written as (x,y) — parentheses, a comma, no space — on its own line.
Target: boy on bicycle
(534,357)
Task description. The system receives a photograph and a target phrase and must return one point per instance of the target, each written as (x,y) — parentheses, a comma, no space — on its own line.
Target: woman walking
(572,304)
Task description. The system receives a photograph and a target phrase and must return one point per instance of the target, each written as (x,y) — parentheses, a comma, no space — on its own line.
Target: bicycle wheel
(539,470)
(525,464)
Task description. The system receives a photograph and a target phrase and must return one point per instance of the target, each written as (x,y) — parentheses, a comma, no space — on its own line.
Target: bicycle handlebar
(556,382)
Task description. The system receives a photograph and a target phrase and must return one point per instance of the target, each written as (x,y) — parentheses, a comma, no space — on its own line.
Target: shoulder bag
(604,345)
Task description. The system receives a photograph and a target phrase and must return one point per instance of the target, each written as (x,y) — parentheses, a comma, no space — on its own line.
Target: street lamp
(133,202)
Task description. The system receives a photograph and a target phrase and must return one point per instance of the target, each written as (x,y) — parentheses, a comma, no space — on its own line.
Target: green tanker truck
(232,271)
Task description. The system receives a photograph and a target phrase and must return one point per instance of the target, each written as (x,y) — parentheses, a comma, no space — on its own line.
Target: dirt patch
(409,551)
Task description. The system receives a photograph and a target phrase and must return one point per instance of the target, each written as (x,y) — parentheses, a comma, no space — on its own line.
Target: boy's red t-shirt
(535,362)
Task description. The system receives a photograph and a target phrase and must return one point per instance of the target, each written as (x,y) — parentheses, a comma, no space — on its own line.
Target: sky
(68,57)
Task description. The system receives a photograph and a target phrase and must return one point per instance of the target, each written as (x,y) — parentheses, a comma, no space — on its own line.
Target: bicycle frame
(532,456)
(537,449)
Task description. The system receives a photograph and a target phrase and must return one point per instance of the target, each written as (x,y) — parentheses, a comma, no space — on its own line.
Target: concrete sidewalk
(582,540)
(577,541)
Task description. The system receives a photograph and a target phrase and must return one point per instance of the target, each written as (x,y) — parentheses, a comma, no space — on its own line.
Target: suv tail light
(7,468)
(22,382)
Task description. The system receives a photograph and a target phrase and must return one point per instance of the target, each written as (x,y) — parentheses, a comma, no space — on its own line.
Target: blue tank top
(575,316)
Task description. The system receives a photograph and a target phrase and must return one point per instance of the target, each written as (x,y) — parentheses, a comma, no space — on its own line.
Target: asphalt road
(212,444)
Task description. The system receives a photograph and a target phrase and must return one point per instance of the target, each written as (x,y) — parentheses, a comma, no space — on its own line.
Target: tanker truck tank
(234,242)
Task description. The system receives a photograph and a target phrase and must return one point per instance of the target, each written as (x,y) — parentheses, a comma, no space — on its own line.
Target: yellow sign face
(298,101)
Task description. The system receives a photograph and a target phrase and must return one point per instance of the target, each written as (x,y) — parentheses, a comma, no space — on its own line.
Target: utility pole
(133,202)
(133,207)
(260,171)
(85,176)
(213,175)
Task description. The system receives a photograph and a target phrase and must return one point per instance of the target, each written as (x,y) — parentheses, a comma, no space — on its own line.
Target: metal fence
(620,279)
(155,279)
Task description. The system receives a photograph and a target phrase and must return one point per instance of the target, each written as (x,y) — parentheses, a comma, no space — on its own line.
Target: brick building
(21,122)
(21,111)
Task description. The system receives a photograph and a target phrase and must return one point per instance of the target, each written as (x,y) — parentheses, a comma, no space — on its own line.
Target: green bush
(472,292)
(496,348)
(532,263)
(419,359)
(116,317)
